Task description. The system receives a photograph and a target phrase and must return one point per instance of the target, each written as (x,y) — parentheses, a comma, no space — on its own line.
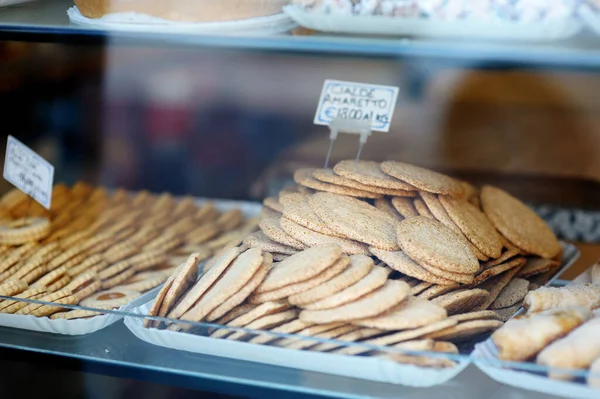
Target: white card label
(29,172)
(357,101)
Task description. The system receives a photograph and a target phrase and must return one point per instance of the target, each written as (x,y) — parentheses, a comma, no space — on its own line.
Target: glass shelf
(47,21)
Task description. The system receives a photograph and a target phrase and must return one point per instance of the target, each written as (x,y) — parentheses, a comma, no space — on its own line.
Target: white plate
(366,368)
(420,27)
(93,324)
(131,21)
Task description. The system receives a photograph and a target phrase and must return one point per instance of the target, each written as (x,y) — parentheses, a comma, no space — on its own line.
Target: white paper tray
(72,327)
(131,21)
(485,357)
(420,27)
(367,368)
(93,324)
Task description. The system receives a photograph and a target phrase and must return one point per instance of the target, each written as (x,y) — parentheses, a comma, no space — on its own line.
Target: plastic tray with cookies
(99,250)
(447,20)
(553,344)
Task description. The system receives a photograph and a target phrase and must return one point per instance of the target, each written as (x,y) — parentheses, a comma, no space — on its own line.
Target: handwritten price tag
(357,101)
(29,172)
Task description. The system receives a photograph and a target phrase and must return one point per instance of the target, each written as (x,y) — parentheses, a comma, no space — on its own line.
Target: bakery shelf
(47,21)
(115,351)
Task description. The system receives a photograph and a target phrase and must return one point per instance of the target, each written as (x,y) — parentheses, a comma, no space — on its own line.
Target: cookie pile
(101,250)
(464,248)
(318,292)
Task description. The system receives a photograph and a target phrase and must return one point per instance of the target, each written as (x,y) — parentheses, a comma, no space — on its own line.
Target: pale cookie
(149,259)
(329,176)
(356,219)
(112,298)
(422,209)
(76,314)
(359,267)
(203,233)
(384,205)
(46,310)
(301,267)
(51,277)
(80,281)
(297,209)
(429,241)
(243,320)
(465,278)
(369,173)
(303,286)
(271,228)
(423,179)
(58,284)
(233,279)
(398,337)
(219,265)
(240,296)
(206,212)
(261,241)
(13,287)
(462,301)
(117,279)
(536,266)
(512,294)
(352,336)
(144,285)
(15,306)
(397,260)
(312,238)
(404,206)
(52,297)
(288,328)
(34,275)
(113,270)
(273,204)
(307,343)
(21,231)
(417,289)
(498,269)
(477,315)
(437,290)
(304,177)
(506,313)
(89,289)
(375,279)
(31,293)
(310,331)
(235,313)
(230,219)
(375,303)
(266,322)
(466,330)
(409,314)
(506,255)
(495,285)
(518,223)
(474,225)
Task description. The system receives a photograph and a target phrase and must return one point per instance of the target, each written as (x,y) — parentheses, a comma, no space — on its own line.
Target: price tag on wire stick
(358,102)
(29,172)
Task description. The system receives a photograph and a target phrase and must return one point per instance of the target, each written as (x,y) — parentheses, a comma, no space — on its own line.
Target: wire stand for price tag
(350,126)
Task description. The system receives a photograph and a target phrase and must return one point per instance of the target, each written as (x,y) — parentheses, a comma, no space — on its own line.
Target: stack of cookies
(100,250)
(464,248)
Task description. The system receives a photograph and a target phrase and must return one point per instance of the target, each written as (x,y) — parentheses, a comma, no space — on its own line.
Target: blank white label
(29,172)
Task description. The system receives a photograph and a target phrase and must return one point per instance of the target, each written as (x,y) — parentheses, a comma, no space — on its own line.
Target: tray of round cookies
(99,254)
(553,344)
(371,260)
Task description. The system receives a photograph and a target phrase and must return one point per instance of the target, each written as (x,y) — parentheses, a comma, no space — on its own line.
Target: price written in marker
(357,101)
(29,172)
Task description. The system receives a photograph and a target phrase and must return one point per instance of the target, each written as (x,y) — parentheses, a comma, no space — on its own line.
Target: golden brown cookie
(423,179)
(369,173)
(297,209)
(329,176)
(304,177)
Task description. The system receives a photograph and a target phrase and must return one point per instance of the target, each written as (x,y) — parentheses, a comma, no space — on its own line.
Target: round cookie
(297,209)
(356,219)
(518,223)
(261,241)
(429,241)
(462,301)
(312,238)
(359,267)
(301,267)
(305,178)
(369,173)
(404,206)
(377,302)
(328,176)
(409,314)
(465,330)
(423,179)
(271,228)
(512,294)
(112,298)
(474,225)
(398,261)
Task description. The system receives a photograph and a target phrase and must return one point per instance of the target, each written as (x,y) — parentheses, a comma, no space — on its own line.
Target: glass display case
(326,198)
